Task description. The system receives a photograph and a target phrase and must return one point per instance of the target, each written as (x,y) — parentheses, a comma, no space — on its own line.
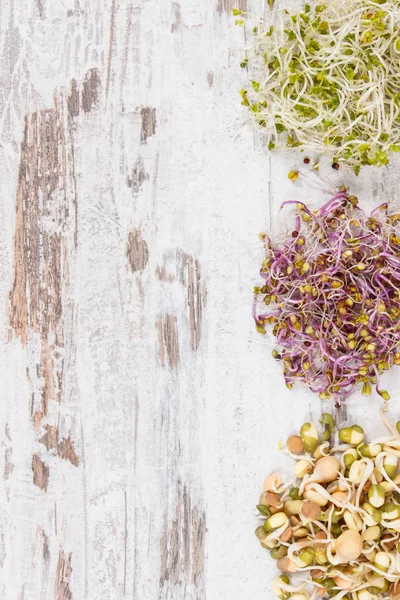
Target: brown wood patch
(8,464)
(45,546)
(182,544)
(137,251)
(168,341)
(190,275)
(91,89)
(40,473)
(73,100)
(137,177)
(62,590)
(64,449)
(44,249)
(41,211)
(87,97)
(42,168)
(162,274)
(148,119)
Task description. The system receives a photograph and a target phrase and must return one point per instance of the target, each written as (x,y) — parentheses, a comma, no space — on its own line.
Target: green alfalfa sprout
(327,79)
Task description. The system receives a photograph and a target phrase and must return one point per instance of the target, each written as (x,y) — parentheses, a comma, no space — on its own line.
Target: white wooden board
(139,409)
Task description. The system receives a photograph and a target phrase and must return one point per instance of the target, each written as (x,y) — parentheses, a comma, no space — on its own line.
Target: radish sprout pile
(328,79)
(331,296)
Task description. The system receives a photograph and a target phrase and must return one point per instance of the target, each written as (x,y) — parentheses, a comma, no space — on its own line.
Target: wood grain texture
(228,5)
(168,341)
(62,590)
(139,409)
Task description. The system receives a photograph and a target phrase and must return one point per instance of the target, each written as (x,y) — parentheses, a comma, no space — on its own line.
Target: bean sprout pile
(331,295)
(328,79)
(335,528)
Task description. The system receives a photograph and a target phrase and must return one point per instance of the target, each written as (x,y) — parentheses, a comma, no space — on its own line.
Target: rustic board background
(139,409)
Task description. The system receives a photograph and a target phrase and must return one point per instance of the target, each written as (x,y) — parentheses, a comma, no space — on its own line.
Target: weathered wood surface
(139,409)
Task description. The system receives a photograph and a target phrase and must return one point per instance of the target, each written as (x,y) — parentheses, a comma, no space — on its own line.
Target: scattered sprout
(327,420)
(309,436)
(293,175)
(295,444)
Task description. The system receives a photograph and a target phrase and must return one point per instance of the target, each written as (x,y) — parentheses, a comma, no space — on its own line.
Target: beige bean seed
(294,444)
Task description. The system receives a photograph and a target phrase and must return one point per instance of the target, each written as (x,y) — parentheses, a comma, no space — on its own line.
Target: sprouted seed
(331,296)
(328,79)
(335,528)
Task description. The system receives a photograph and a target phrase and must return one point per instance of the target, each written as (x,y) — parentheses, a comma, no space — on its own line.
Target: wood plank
(139,409)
